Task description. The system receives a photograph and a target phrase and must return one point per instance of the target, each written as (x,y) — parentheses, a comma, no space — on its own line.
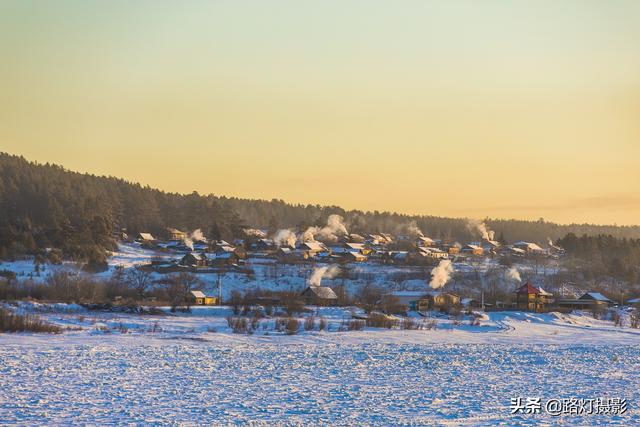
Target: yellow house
(199,298)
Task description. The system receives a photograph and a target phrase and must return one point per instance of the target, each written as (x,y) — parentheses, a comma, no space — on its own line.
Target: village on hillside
(404,272)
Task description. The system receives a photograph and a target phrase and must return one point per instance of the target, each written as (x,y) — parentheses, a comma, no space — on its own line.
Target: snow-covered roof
(595,296)
(425,239)
(147,236)
(356,246)
(474,247)
(633,301)
(322,292)
(314,246)
(198,294)
(417,294)
(530,246)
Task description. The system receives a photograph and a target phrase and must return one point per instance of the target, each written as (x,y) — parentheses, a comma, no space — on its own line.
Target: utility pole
(219,289)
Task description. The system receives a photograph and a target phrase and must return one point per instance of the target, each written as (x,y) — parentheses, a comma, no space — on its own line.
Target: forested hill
(46,206)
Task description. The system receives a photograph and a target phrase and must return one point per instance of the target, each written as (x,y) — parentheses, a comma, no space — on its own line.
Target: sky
(502,109)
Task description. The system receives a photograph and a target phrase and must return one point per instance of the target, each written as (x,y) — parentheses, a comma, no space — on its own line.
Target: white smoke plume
(480,228)
(413,230)
(197,235)
(320,273)
(329,233)
(285,237)
(441,274)
(309,234)
(188,242)
(514,274)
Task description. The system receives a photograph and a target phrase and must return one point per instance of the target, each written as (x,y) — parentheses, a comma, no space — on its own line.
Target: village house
(452,249)
(532,298)
(175,234)
(472,250)
(634,301)
(319,295)
(529,248)
(225,258)
(311,249)
(357,247)
(491,246)
(433,253)
(425,241)
(264,245)
(421,300)
(194,259)
(588,301)
(146,237)
(512,251)
(352,256)
(200,298)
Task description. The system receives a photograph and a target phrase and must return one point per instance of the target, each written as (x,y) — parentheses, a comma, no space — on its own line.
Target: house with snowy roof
(319,295)
(200,298)
(532,298)
(588,301)
(194,259)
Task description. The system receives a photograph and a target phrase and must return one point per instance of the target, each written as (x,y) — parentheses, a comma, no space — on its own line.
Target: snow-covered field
(112,368)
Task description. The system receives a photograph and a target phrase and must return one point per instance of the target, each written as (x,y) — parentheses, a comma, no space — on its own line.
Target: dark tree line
(45,206)
(605,255)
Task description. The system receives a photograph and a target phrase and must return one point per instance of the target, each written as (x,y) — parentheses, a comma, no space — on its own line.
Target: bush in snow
(322,325)
(11,322)
(309,323)
(292,326)
(634,318)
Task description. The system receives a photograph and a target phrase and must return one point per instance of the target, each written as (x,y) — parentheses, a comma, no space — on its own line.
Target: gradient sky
(520,109)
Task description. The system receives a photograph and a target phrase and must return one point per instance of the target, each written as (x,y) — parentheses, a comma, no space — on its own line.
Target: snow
(114,368)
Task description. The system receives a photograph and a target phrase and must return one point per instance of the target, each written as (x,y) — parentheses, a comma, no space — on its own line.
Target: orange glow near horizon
(505,109)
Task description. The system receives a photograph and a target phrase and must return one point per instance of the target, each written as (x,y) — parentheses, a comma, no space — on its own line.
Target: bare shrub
(292,326)
(309,323)
(617,319)
(409,324)
(355,325)
(155,327)
(237,324)
(430,324)
(121,327)
(378,320)
(634,319)
(322,325)
(11,322)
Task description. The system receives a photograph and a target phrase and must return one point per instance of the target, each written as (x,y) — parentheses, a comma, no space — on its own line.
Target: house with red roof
(532,298)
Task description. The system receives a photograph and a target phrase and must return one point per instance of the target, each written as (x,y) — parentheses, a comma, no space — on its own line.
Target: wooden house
(433,253)
(352,256)
(194,259)
(422,300)
(529,248)
(425,241)
(311,249)
(357,247)
(319,295)
(532,298)
(588,301)
(471,249)
(200,298)
(146,237)
(175,234)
